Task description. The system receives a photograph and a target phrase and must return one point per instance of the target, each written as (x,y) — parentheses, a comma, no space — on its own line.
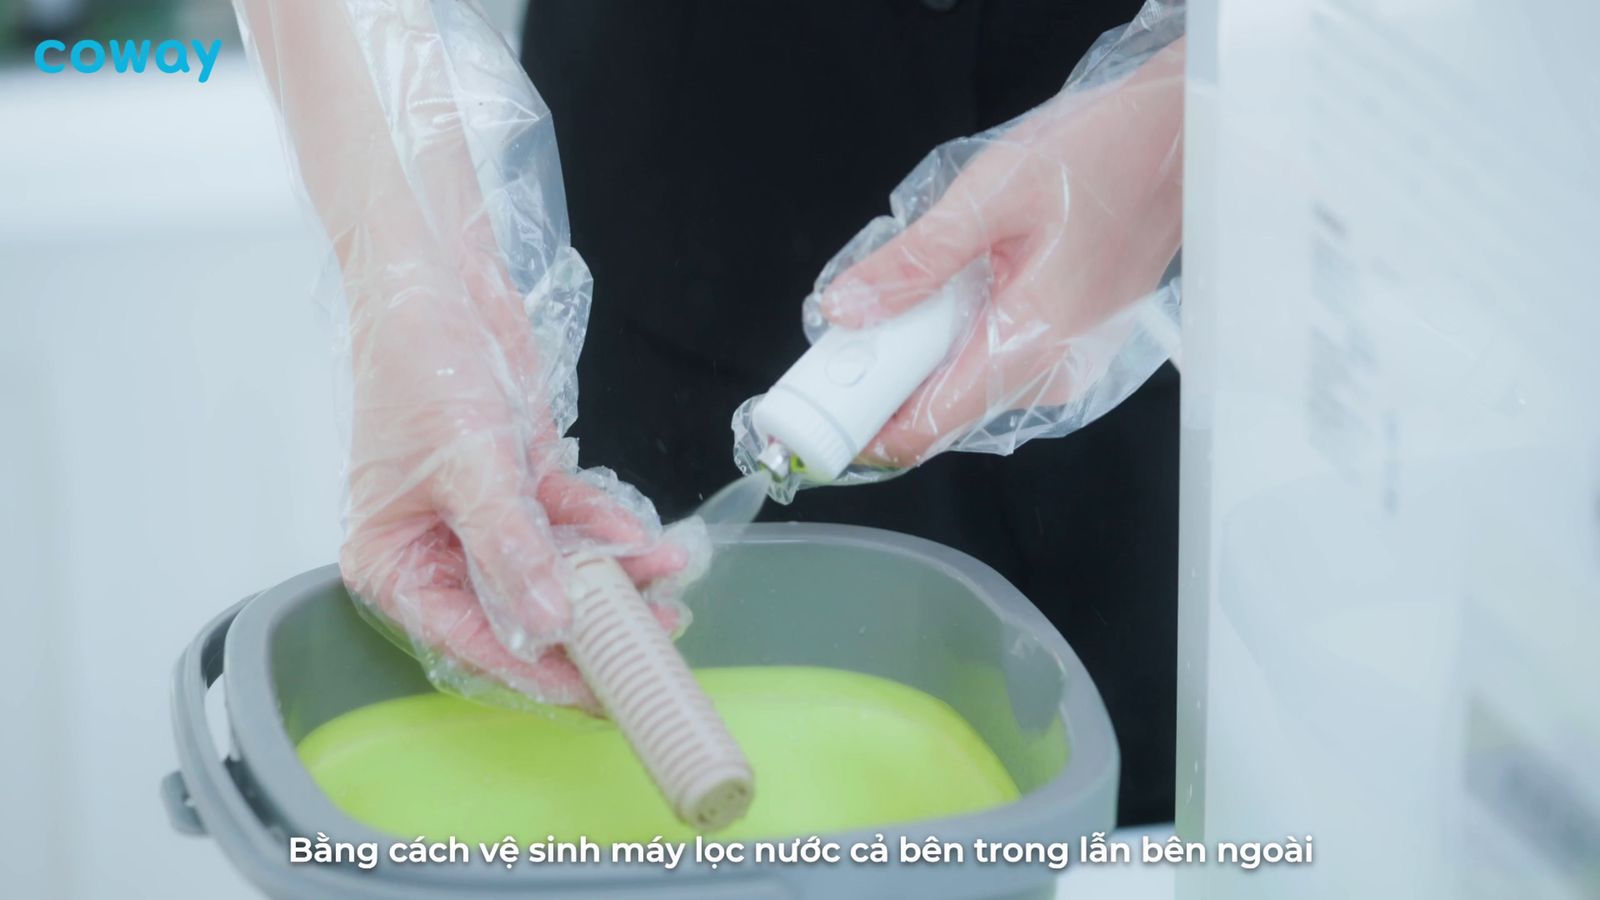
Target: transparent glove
(431,164)
(463,502)
(1073,214)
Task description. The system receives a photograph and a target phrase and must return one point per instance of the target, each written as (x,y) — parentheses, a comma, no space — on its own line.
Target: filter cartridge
(645,686)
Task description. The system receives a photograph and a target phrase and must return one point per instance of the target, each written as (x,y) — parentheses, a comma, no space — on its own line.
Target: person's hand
(428,159)
(462,497)
(1077,208)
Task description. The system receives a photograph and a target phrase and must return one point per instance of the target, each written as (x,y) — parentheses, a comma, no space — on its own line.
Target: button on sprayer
(823,411)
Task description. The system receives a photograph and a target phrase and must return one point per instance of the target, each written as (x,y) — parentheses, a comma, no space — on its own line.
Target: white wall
(168,445)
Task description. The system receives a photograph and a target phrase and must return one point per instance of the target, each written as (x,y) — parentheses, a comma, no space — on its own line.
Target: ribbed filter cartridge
(645,686)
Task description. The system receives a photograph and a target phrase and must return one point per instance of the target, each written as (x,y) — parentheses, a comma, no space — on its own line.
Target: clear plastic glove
(462,501)
(431,164)
(1075,211)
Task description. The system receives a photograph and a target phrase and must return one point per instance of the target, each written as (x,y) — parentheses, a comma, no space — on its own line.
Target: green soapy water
(831,750)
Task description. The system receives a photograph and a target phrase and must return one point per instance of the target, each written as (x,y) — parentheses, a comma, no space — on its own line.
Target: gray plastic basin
(298,655)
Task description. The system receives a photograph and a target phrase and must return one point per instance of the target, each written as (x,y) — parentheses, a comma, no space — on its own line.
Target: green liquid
(832,750)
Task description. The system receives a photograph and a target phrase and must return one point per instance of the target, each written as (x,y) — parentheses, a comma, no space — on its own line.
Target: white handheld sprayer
(823,412)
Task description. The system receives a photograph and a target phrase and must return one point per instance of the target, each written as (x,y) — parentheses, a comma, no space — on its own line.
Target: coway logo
(171,57)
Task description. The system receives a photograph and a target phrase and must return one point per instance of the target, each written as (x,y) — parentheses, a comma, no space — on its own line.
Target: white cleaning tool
(831,402)
(645,686)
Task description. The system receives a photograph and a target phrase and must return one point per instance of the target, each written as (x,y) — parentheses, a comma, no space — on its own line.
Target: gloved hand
(1078,207)
(430,163)
(462,498)
(1075,210)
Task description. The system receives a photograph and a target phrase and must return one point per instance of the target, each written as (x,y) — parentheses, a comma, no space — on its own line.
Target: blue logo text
(89,57)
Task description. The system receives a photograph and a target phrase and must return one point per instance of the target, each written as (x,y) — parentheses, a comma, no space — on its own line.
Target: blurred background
(170,444)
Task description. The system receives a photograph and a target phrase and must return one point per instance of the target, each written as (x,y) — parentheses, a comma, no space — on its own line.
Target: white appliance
(1390,564)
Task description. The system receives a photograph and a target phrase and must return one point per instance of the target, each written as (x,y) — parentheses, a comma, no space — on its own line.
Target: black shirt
(716,154)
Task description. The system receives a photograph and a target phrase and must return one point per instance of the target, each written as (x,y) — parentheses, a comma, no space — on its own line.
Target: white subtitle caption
(1093,850)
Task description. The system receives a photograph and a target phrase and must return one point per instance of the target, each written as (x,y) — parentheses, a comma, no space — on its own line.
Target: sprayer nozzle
(777,460)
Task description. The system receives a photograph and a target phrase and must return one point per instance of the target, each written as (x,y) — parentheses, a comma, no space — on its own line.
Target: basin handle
(203,787)
(180,812)
(199,667)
